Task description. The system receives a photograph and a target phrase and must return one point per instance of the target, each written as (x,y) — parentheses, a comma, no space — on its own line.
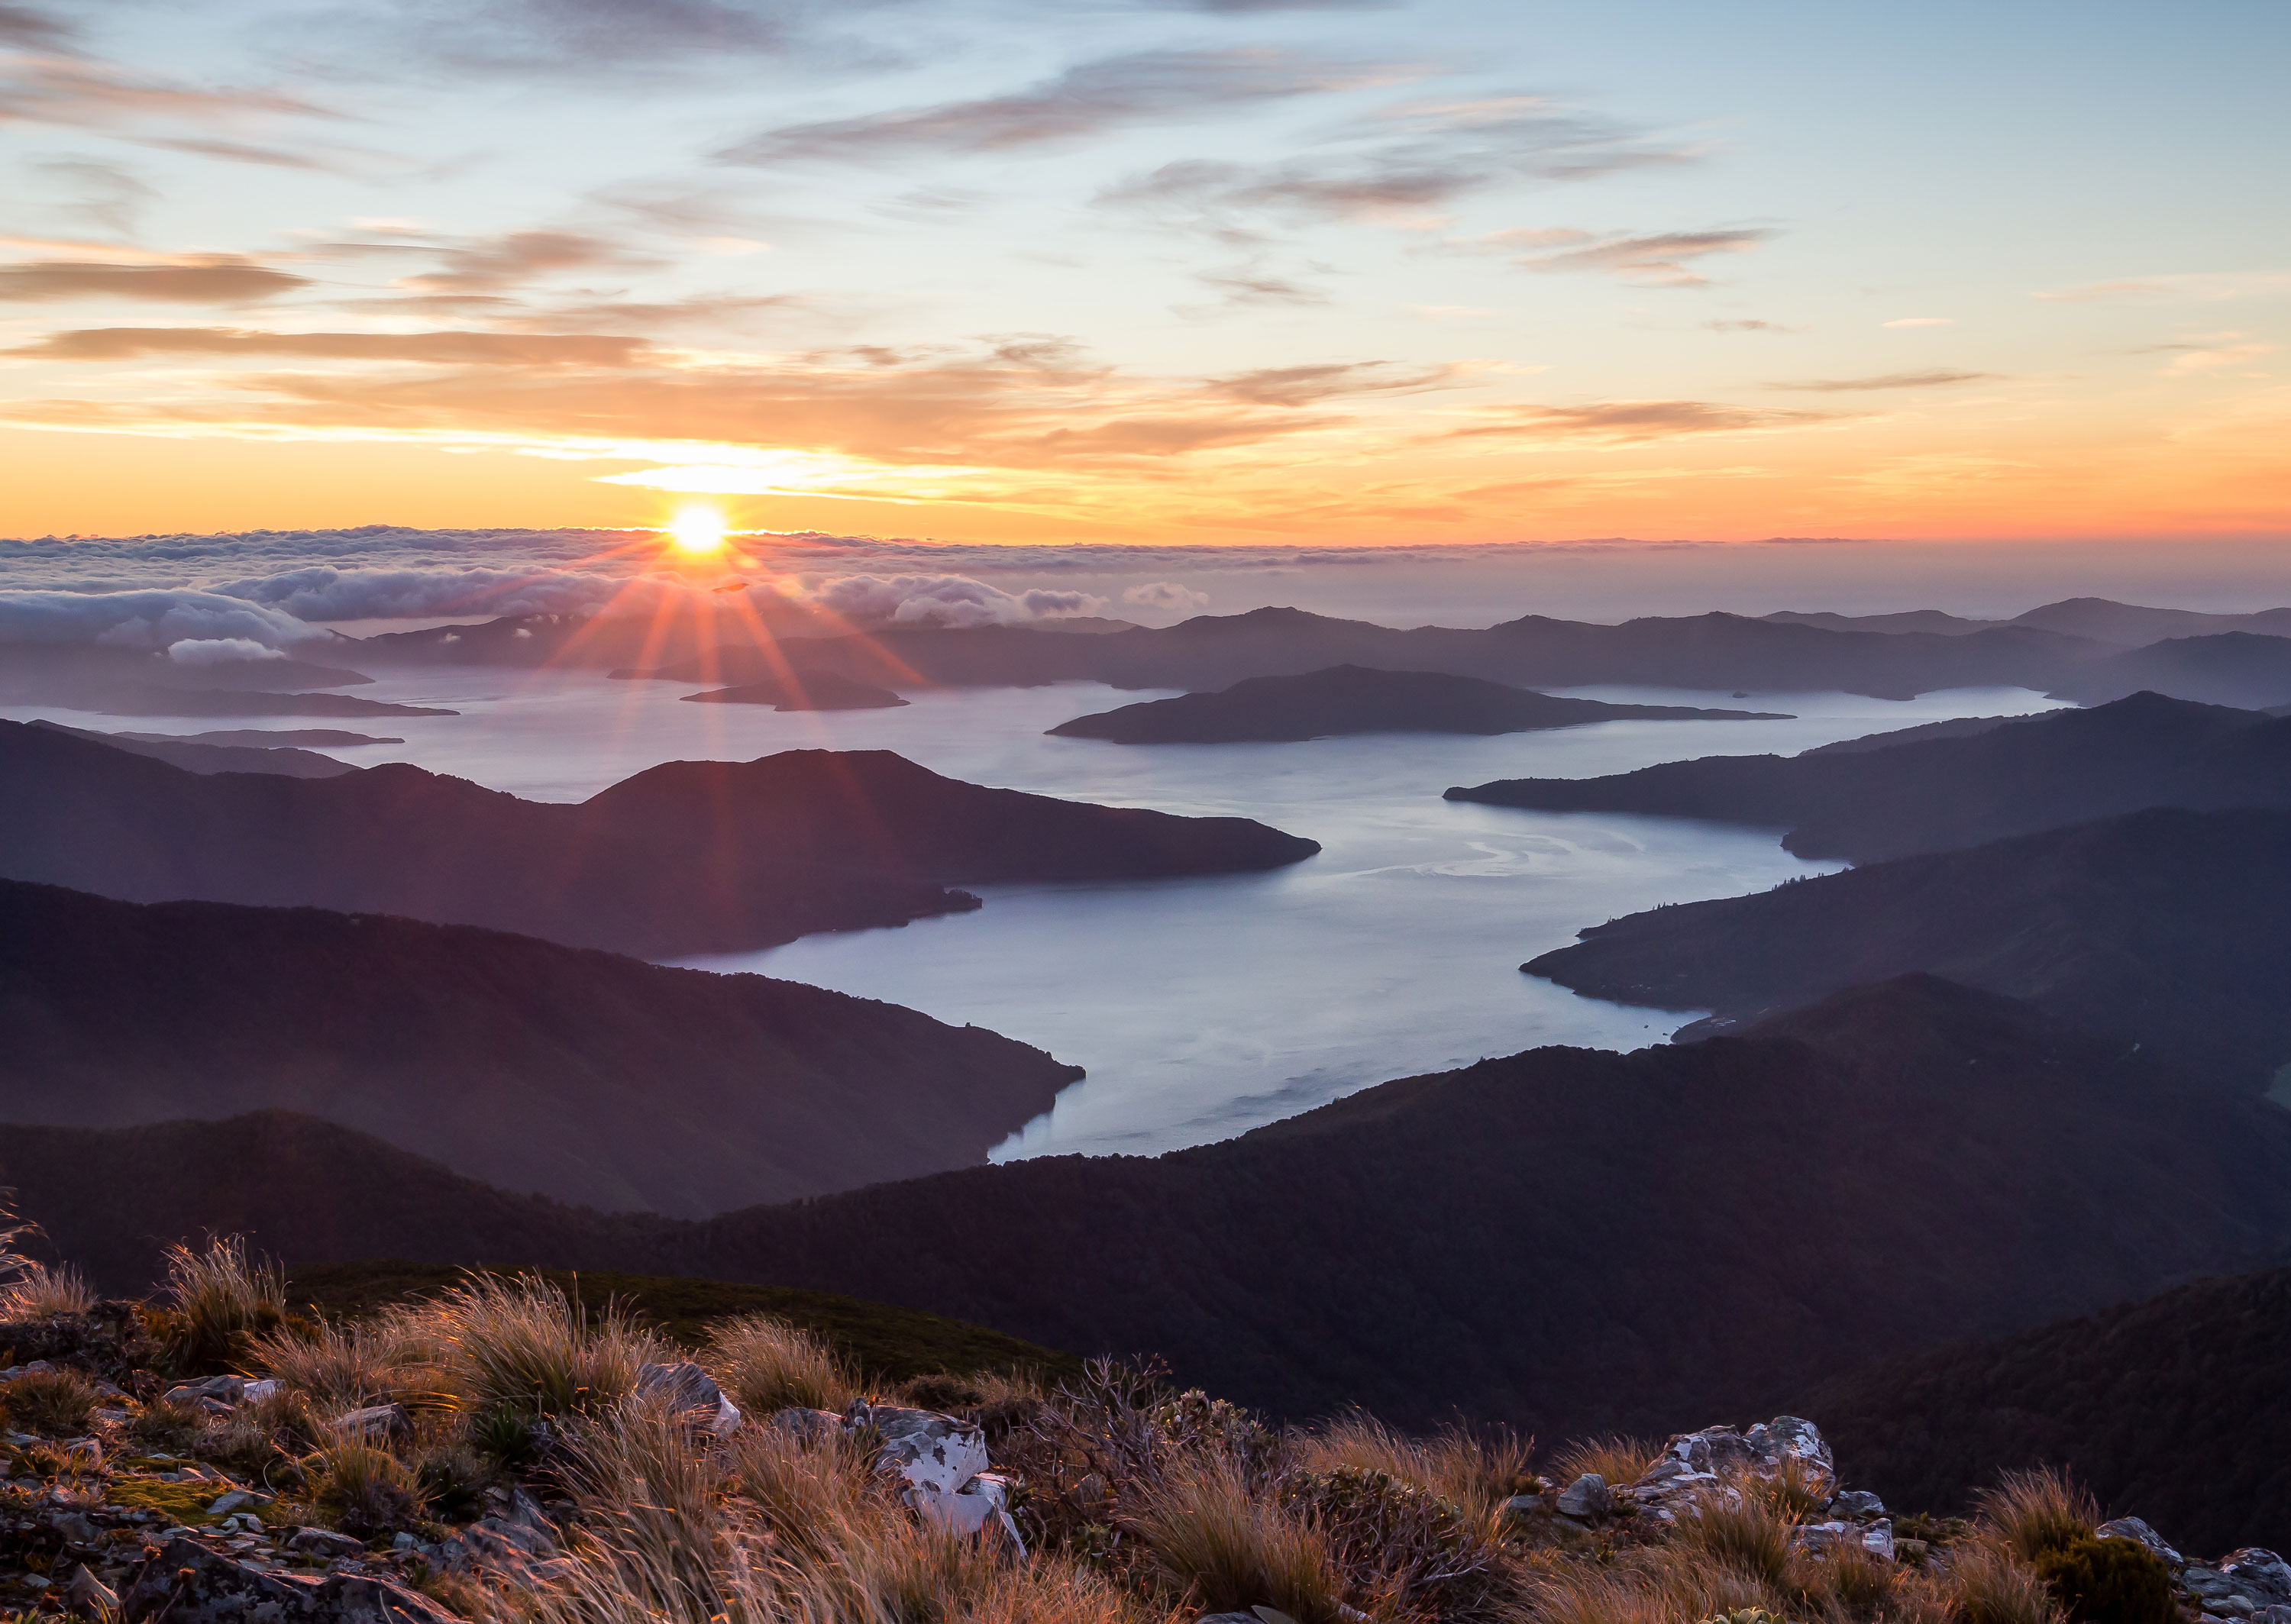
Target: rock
(1228,1618)
(186,1583)
(2132,1528)
(685,1387)
(376,1422)
(87,1595)
(226,1390)
(226,1504)
(1586,1498)
(981,1506)
(811,1426)
(1523,1506)
(2260,1574)
(1875,1537)
(511,1542)
(930,1450)
(1857,1505)
(255,1392)
(1698,1463)
(74,1526)
(324,1543)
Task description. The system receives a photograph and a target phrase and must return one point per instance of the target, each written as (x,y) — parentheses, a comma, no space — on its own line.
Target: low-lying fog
(1202,1008)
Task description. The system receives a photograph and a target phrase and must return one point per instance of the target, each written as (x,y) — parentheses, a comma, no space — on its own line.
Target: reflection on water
(1204,1007)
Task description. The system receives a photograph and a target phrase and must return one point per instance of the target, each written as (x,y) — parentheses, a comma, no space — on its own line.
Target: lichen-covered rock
(810,1425)
(186,1583)
(1698,1463)
(376,1423)
(2134,1529)
(930,1450)
(1875,1537)
(1588,1497)
(2260,1574)
(686,1388)
(1856,1505)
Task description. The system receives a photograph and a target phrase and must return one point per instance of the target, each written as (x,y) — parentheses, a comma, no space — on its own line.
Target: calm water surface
(1202,1008)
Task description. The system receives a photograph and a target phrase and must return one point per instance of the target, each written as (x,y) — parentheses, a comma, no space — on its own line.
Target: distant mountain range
(581,1075)
(1348,699)
(689,857)
(1949,789)
(194,757)
(2166,928)
(1566,1240)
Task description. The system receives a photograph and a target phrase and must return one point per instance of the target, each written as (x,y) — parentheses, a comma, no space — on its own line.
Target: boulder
(1856,1505)
(1875,1537)
(513,1538)
(2260,1574)
(2132,1528)
(1588,1497)
(325,1543)
(945,1463)
(375,1423)
(685,1388)
(810,1425)
(255,1392)
(1698,1463)
(186,1583)
(221,1390)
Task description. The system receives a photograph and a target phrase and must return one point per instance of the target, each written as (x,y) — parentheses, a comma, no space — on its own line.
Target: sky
(1232,273)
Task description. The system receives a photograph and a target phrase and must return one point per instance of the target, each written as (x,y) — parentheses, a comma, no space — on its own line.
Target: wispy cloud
(215,279)
(1750,326)
(543,349)
(1931,378)
(1142,87)
(1300,386)
(106,194)
(1920,321)
(1631,421)
(1658,260)
(2198,287)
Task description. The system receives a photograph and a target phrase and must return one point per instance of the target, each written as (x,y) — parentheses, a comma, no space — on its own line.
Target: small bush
(508,1435)
(2109,1581)
(522,1342)
(221,1299)
(1397,1544)
(45,1293)
(1478,1473)
(52,1401)
(364,1491)
(766,1364)
(2036,1512)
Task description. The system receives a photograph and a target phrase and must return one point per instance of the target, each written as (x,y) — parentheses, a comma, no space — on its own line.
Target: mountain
(2133,626)
(874,812)
(196,758)
(238,702)
(581,1075)
(2175,1405)
(1360,699)
(1932,794)
(1724,652)
(262,738)
(2167,928)
(687,858)
(1906,620)
(2230,668)
(1566,1240)
(819,691)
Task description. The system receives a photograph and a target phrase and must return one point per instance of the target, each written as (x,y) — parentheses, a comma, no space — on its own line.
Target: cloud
(560,38)
(323,593)
(221,651)
(1750,326)
(1302,386)
(1920,321)
(248,152)
(103,193)
(2189,287)
(936,600)
(60,89)
(1656,261)
(142,619)
(1166,595)
(2210,358)
(1931,378)
(1245,286)
(451,348)
(1633,420)
(1142,87)
(28,29)
(493,264)
(214,279)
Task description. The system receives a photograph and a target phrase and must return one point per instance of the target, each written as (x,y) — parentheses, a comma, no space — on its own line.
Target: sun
(697,530)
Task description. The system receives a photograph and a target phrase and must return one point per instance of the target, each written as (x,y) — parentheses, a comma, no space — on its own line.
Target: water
(1202,1008)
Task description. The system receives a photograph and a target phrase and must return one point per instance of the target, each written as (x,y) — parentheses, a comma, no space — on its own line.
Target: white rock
(255,1392)
(1698,1463)
(686,1387)
(930,1450)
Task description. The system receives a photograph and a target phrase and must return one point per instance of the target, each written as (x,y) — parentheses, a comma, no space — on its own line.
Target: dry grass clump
(349,1367)
(42,1293)
(523,1344)
(50,1401)
(766,1364)
(362,1488)
(1987,1582)
(2032,1512)
(263,1441)
(1614,1462)
(1743,1531)
(221,1298)
(1477,1474)
(1217,1545)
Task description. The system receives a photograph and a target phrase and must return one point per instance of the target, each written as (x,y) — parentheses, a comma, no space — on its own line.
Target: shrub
(362,1490)
(522,1342)
(221,1298)
(1212,1542)
(508,1435)
(1396,1543)
(44,1293)
(2036,1512)
(453,1478)
(1476,1473)
(2109,1581)
(51,1400)
(766,1364)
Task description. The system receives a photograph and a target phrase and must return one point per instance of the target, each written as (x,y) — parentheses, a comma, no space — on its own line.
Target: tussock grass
(348,1367)
(522,1343)
(222,1298)
(1614,1460)
(1744,1531)
(1477,1474)
(2032,1512)
(766,1364)
(1989,1583)
(41,1293)
(1217,1545)
(363,1488)
(50,1401)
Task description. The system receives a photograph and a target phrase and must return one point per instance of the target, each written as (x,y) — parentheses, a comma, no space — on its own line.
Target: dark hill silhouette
(1568,1240)
(2228,668)
(581,1075)
(1360,699)
(1905,620)
(2135,626)
(2164,928)
(875,812)
(394,838)
(2172,1409)
(2064,767)
(814,691)
(142,701)
(194,757)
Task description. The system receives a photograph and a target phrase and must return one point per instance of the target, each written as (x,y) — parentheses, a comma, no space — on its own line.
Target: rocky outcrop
(186,1582)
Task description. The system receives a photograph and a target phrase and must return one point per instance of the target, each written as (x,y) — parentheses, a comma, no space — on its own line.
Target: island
(804,691)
